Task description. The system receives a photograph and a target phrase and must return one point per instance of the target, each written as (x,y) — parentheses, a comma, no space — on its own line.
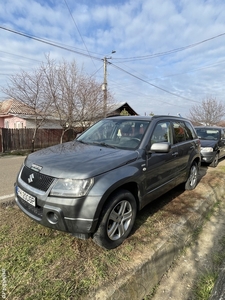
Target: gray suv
(94,185)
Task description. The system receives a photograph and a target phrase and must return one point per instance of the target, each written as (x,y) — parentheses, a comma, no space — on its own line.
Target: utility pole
(104,86)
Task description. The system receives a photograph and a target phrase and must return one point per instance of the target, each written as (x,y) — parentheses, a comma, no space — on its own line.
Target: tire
(116,220)
(192,180)
(215,161)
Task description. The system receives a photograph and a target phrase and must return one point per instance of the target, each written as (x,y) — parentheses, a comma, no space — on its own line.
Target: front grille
(37,210)
(35,179)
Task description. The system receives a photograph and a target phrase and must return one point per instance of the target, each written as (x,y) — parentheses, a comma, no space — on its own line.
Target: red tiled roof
(13,106)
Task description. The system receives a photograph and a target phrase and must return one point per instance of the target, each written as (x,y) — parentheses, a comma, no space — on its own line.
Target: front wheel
(116,220)
(193,177)
(215,161)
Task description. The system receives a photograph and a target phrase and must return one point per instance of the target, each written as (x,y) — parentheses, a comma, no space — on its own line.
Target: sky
(164,56)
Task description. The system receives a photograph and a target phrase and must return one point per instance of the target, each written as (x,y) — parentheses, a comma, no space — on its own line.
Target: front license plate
(25,196)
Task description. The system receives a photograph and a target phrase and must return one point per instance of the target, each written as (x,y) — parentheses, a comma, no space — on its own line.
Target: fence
(20,139)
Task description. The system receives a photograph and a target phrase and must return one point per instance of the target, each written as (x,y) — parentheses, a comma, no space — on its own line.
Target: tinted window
(161,133)
(208,133)
(179,132)
(190,131)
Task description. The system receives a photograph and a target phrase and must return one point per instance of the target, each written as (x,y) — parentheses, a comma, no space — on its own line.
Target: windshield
(208,134)
(124,134)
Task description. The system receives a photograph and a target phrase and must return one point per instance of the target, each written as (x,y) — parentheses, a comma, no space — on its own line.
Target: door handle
(174,153)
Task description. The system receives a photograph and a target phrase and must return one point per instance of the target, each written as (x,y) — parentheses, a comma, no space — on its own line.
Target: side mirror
(160,148)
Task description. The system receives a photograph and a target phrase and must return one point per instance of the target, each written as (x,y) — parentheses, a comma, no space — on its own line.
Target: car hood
(77,160)
(208,143)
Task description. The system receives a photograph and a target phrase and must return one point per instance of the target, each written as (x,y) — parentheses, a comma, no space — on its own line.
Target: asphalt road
(9,167)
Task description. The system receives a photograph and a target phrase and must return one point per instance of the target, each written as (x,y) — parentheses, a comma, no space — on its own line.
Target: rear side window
(190,131)
(179,135)
(183,131)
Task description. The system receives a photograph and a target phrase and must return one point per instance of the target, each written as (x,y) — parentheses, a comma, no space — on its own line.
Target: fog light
(52,217)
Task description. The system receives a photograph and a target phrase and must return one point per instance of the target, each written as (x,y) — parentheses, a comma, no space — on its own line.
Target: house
(12,114)
(16,114)
(117,108)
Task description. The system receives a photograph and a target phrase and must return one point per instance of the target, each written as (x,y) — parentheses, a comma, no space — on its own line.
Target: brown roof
(13,106)
(118,107)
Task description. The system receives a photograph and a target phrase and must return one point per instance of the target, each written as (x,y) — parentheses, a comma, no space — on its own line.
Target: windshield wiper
(81,141)
(104,145)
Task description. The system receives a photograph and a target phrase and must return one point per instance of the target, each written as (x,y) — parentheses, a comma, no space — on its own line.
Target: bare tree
(77,98)
(59,91)
(27,88)
(209,112)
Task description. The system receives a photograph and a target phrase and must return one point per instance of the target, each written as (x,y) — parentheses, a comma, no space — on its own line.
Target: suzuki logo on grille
(30,178)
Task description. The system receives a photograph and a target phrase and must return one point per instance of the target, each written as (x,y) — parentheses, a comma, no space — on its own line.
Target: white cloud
(132,28)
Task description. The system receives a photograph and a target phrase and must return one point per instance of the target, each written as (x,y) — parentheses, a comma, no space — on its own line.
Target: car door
(222,143)
(160,174)
(185,142)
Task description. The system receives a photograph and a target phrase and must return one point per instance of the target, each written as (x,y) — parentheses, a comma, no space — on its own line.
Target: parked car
(94,185)
(212,144)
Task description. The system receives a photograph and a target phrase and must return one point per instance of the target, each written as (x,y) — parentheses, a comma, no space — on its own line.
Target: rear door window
(182,131)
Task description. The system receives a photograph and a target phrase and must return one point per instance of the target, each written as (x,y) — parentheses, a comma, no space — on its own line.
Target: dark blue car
(212,144)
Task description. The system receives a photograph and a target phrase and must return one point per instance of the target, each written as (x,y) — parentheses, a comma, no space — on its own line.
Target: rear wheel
(193,177)
(117,220)
(215,162)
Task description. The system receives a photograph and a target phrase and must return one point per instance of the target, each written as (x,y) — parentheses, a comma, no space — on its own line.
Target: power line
(49,43)
(162,89)
(146,96)
(167,52)
(78,31)
(191,71)
(99,59)
(20,56)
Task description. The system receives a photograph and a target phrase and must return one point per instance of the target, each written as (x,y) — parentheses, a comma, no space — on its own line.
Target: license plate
(25,196)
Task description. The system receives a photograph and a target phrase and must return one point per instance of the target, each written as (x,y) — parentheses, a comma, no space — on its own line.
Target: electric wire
(20,56)
(162,89)
(49,43)
(115,66)
(148,97)
(144,57)
(79,31)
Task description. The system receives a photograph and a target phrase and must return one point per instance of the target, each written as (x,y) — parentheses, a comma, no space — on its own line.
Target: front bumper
(208,157)
(60,214)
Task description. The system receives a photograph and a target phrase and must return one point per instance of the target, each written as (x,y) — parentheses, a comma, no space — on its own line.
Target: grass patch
(221,168)
(41,263)
(207,279)
(205,285)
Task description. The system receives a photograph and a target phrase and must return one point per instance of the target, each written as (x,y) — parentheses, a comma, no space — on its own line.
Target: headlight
(72,187)
(206,149)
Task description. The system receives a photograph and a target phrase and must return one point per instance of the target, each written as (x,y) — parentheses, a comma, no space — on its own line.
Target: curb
(142,279)
(218,292)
